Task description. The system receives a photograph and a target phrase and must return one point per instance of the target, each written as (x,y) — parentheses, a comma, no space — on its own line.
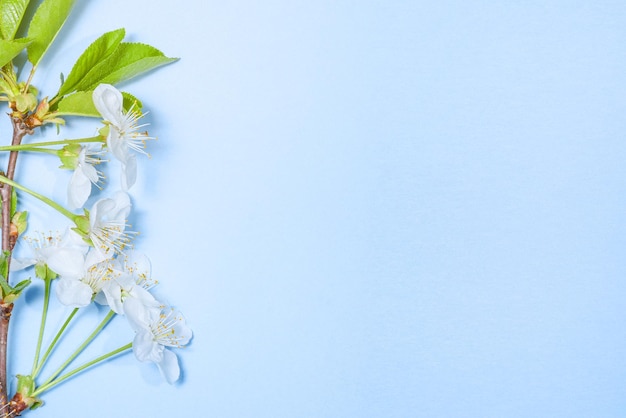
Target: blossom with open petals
(107,225)
(49,248)
(124,134)
(83,278)
(133,283)
(155,330)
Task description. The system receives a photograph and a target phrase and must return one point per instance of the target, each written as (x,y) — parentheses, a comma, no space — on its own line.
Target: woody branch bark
(8,242)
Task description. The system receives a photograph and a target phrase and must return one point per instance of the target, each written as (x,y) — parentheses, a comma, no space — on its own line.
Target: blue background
(373,208)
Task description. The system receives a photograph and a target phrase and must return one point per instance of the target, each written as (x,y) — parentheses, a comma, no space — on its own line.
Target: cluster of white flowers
(93,260)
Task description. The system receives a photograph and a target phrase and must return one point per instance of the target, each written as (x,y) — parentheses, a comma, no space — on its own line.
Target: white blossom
(82,278)
(124,134)
(133,283)
(46,248)
(107,225)
(155,330)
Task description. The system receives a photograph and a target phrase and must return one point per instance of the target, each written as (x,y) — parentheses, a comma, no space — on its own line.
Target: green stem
(89,339)
(50,385)
(30,78)
(41,197)
(53,343)
(54,100)
(42,326)
(28,147)
(35,149)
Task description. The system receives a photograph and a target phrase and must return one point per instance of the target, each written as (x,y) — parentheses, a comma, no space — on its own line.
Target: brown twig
(5,316)
(20,130)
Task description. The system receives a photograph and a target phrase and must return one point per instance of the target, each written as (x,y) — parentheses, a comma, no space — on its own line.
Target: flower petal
(169,367)
(146,349)
(73,293)
(79,189)
(139,315)
(122,206)
(90,172)
(129,172)
(112,294)
(67,263)
(21,263)
(109,102)
(117,145)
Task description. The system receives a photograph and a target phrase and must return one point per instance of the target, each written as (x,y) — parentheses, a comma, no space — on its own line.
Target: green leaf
(4,265)
(78,104)
(15,291)
(131,102)
(45,26)
(5,289)
(81,104)
(9,49)
(128,61)
(9,293)
(13,201)
(98,51)
(5,88)
(11,14)
(4,270)
(18,288)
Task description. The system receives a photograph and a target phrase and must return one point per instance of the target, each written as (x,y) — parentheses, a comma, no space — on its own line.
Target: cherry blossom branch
(83,93)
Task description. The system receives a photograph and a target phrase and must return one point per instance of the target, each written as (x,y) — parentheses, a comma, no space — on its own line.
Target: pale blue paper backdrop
(372,209)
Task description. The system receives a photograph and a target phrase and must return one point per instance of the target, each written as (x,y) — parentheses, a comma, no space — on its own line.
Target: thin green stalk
(21,147)
(53,343)
(28,148)
(46,200)
(42,326)
(89,339)
(79,369)
(30,78)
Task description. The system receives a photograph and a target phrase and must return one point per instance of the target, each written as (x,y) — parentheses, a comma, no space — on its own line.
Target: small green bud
(23,398)
(25,384)
(20,220)
(42,109)
(10,298)
(25,102)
